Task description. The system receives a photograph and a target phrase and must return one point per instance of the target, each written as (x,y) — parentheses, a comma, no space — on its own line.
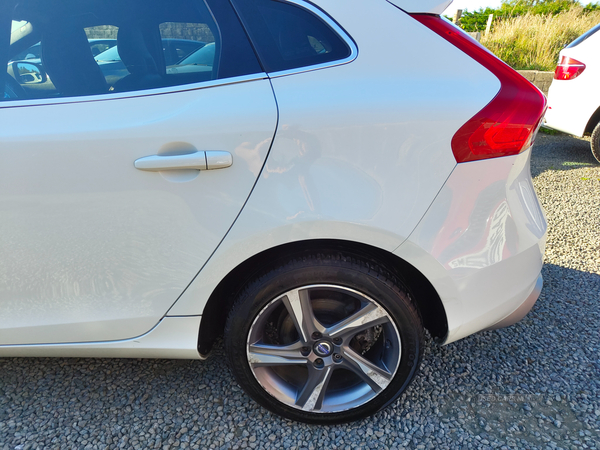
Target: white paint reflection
(253,154)
(493,250)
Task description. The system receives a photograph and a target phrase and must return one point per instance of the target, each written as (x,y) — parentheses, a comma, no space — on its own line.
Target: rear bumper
(519,313)
(558,122)
(481,245)
(571,105)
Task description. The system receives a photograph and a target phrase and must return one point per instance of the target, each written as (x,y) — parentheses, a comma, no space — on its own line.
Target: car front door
(112,200)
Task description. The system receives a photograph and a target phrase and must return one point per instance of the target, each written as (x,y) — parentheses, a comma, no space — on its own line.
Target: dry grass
(534,41)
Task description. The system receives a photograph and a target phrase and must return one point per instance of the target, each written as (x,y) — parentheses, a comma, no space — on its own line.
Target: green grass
(549,131)
(532,42)
(575,164)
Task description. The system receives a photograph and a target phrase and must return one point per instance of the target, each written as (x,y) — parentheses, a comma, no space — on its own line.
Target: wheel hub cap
(323,349)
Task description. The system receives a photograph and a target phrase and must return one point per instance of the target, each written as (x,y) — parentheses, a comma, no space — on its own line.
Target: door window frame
(230,23)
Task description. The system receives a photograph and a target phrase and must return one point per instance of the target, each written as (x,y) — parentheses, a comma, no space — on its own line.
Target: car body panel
(94,249)
(481,243)
(572,103)
(345,173)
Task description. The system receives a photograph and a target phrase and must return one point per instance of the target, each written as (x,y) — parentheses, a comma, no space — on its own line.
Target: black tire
(595,142)
(349,371)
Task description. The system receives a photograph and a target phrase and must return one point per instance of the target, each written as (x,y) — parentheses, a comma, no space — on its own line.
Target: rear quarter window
(287,36)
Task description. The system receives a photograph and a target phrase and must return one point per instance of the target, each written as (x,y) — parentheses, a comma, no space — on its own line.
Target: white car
(574,96)
(321,195)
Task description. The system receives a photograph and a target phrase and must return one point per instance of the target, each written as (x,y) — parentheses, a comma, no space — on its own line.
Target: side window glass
(33,52)
(68,48)
(287,36)
(189,51)
(101,38)
(182,39)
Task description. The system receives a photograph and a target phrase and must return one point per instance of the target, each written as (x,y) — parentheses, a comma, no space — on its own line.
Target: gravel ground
(535,385)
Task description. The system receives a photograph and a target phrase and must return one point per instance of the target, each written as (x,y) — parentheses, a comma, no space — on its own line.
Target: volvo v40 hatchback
(334,179)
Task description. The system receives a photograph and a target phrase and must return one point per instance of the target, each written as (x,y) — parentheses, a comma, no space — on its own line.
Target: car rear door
(111,203)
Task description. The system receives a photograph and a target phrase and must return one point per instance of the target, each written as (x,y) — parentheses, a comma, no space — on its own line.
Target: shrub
(477,20)
(533,41)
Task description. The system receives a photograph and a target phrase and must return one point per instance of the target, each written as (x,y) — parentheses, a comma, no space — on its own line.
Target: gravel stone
(535,385)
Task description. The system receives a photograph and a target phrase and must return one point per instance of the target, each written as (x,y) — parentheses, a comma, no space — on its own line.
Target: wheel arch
(594,120)
(221,300)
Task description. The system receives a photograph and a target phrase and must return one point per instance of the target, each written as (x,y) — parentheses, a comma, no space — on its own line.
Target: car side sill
(172,338)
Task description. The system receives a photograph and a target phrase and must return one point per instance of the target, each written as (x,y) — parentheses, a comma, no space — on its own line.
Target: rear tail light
(509,123)
(568,68)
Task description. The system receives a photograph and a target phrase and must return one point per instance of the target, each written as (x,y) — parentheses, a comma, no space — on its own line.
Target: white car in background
(306,186)
(574,96)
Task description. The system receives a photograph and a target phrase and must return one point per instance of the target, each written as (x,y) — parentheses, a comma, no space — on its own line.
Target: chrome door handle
(208,160)
(157,163)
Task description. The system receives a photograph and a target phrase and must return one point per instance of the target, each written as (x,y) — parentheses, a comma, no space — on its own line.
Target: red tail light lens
(509,123)
(568,69)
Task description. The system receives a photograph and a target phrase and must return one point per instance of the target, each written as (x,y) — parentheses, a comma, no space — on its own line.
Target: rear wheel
(595,142)
(324,338)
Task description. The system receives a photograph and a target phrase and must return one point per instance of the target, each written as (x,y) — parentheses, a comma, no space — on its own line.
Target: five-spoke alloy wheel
(324,338)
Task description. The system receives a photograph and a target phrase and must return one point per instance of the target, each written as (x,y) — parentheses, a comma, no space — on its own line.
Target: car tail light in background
(510,122)
(568,69)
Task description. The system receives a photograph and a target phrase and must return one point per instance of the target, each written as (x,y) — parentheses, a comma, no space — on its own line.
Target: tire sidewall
(392,296)
(595,142)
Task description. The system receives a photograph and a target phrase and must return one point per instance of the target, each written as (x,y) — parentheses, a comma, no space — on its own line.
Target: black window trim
(335,27)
